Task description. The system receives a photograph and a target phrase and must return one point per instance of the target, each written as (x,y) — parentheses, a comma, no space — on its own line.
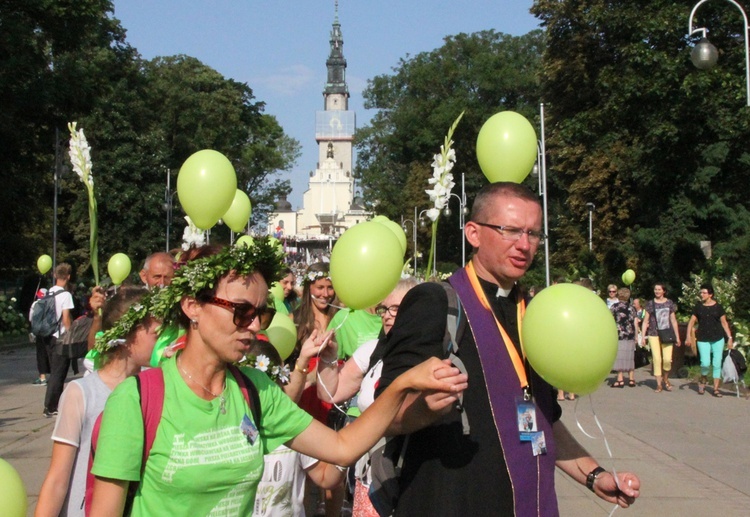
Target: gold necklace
(222,399)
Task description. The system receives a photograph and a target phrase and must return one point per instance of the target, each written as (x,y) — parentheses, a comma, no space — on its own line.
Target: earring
(194,324)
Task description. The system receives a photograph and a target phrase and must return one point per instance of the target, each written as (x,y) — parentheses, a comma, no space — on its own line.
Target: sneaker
(40,382)
(49,414)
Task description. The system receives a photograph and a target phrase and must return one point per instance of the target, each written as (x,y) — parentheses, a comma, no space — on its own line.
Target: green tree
(481,73)
(658,146)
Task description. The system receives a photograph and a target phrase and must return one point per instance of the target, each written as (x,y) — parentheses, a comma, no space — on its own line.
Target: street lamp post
(168,205)
(540,169)
(705,55)
(58,172)
(591,208)
(463,212)
(414,235)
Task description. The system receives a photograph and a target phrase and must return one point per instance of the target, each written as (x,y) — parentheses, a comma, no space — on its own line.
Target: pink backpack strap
(150,386)
(151,390)
(249,391)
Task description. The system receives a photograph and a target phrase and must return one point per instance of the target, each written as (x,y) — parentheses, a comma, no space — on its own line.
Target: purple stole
(532,477)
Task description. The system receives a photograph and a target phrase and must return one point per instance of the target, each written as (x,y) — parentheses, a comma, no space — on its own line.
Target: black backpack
(387,456)
(739,362)
(44,320)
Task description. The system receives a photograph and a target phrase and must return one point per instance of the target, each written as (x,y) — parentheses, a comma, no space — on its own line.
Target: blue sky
(279,47)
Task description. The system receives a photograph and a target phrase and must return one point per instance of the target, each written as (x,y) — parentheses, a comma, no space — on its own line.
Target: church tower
(328,204)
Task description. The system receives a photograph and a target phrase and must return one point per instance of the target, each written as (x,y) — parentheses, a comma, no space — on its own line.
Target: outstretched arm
(575,461)
(347,445)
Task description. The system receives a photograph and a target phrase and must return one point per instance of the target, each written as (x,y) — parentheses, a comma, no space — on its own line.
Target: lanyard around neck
(518,365)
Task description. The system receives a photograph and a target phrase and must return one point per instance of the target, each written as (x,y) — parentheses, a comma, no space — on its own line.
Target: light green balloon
(12,491)
(366,264)
(628,277)
(570,338)
(395,228)
(506,147)
(206,186)
(278,298)
(282,334)
(118,268)
(44,264)
(239,212)
(245,240)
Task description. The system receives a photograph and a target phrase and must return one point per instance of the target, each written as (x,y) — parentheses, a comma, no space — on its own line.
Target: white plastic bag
(728,370)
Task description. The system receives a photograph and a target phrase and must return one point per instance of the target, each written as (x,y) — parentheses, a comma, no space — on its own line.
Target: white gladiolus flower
(80,155)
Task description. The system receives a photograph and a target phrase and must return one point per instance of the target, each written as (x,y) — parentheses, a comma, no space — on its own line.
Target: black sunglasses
(244,313)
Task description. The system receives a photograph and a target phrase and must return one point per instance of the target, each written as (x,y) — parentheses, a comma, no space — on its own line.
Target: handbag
(74,344)
(666,336)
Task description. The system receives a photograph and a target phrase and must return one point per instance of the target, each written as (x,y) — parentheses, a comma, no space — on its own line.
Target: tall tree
(481,74)
(659,147)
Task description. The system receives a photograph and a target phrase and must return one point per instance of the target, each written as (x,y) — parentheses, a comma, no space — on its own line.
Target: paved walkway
(689,450)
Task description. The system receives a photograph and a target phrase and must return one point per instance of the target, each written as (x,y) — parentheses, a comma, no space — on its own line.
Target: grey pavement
(689,450)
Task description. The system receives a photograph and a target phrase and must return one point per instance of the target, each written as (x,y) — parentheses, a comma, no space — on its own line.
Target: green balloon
(282,334)
(570,338)
(506,147)
(366,264)
(239,212)
(12,491)
(44,264)
(395,228)
(628,277)
(206,186)
(245,240)
(118,268)
(277,292)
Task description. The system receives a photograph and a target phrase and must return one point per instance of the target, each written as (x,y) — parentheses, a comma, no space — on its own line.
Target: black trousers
(42,355)
(59,367)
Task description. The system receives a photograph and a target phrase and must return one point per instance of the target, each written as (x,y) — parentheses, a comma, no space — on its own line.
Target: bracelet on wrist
(329,363)
(301,370)
(591,478)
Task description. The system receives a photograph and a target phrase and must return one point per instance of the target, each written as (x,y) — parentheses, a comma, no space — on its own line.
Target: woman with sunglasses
(359,375)
(207,456)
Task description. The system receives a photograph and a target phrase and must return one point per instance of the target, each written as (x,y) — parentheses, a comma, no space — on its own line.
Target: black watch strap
(592,477)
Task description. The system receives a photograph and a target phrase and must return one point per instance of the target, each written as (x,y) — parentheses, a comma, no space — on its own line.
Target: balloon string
(320,349)
(604,438)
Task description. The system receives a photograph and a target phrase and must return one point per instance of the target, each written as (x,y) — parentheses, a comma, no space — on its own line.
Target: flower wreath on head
(134,316)
(163,304)
(281,373)
(312,276)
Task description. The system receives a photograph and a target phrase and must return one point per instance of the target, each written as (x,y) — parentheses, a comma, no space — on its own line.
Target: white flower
(80,155)
(285,374)
(262,362)
(433,213)
(13,299)
(192,235)
(442,179)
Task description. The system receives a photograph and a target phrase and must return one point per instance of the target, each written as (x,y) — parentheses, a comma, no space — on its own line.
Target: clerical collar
(492,289)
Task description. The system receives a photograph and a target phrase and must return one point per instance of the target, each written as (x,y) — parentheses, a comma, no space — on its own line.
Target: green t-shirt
(358,327)
(200,463)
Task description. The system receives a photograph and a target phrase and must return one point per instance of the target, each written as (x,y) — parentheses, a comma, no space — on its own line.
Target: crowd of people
(220,424)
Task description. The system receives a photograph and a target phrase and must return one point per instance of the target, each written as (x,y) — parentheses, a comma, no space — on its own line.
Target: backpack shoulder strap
(454,330)
(150,385)
(249,391)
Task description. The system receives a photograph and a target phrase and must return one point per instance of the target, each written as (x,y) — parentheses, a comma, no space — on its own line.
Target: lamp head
(704,54)
(447,211)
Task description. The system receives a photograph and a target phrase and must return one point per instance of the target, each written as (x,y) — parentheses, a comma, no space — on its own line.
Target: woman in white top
(64,487)
(357,375)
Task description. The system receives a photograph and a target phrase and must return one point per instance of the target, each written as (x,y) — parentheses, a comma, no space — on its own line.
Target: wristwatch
(592,477)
